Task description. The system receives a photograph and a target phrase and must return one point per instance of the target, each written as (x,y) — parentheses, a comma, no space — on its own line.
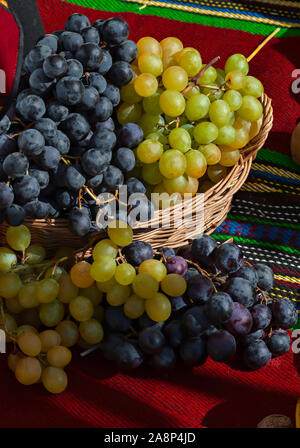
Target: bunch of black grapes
(225,313)
(63,137)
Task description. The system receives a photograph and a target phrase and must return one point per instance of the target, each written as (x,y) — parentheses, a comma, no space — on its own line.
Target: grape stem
(90,350)
(198,76)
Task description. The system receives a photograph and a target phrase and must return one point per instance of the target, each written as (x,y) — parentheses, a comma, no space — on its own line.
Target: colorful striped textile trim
(266,225)
(184,14)
(269,14)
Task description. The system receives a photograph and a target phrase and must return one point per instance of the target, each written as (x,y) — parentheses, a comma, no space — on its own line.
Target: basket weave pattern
(54,233)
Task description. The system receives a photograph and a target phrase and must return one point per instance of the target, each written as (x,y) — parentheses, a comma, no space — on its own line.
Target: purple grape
(221,346)
(195,321)
(219,308)
(176,265)
(257,355)
(199,289)
(240,322)
(201,250)
(265,276)
(241,291)
(247,272)
(193,351)
(227,258)
(174,333)
(262,316)
(251,337)
(165,359)
(279,342)
(284,313)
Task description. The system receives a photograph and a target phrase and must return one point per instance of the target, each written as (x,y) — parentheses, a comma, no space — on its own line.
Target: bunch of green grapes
(47,307)
(195,120)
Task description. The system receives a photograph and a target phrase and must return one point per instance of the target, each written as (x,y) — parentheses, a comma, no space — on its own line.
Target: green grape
(212,94)
(52,313)
(188,127)
(173,123)
(172,103)
(229,158)
(49,339)
(28,371)
(211,153)
(7,259)
(235,80)
(149,45)
(134,307)
(219,113)
(125,274)
(120,233)
(163,139)
(158,308)
(168,60)
(220,79)
(216,173)
(13,305)
(64,252)
(56,274)
(241,138)
(150,63)
(232,118)
(190,61)
(197,107)
(145,84)
(129,113)
(209,76)
(68,332)
(149,151)
(226,135)
(205,132)
(175,78)
(18,237)
(81,308)
(151,173)
(151,103)
(92,293)
(252,87)
(23,328)
(176,185)
(171,45)
(80,274)
(118,295)
(99,313)
(233,98)
(251,108)
(8,322)
(54,379)
(173,285)
(103,269)
(172,164)
(47,290)
(153,267)
(195,90)
(106,286)
(27,296)
(150,123)
(205,186)
(91,331)
(35,254)
(29,343)
(10,285)
(145,285)
(162,200)
(180,139)
(129,95)
(67,289)
(237,62)
(195,164)
(59,356)
(105,247)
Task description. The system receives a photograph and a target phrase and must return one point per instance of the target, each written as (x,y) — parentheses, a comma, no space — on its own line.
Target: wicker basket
(53,234)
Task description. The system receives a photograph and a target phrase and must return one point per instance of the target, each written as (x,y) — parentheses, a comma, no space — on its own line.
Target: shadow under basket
(202,214)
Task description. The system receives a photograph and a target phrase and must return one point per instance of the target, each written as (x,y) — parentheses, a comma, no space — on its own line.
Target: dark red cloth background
(9,39)
(215,395)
